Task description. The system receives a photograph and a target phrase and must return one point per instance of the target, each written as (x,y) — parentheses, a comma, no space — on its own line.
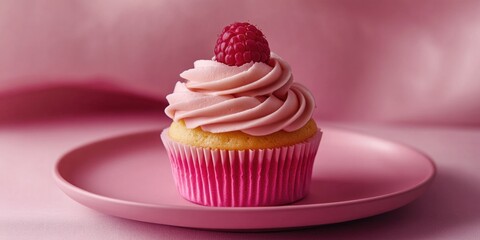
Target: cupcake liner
(242,178)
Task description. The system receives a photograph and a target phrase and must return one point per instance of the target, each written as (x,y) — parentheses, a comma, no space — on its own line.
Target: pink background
(75,71)
(396,61)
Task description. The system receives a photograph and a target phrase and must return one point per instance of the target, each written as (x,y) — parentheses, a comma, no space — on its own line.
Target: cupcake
(242,133)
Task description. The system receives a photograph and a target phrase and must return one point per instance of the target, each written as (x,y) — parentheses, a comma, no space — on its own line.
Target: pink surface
(242,178)
(130,176)
(32,206)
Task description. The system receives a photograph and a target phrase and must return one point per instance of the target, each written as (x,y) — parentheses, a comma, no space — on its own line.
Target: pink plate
(355,176)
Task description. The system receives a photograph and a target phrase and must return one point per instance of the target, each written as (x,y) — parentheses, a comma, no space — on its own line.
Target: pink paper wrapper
(242,178)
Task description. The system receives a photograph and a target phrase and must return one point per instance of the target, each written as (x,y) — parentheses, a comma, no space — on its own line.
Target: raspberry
(241,43)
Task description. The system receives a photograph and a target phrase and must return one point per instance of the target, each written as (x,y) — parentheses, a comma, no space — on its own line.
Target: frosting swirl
(255,98)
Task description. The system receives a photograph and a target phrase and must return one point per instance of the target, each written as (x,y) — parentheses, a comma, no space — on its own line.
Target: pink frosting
(255,98)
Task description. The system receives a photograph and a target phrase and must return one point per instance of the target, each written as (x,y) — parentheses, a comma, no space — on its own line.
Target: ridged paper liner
(242,178)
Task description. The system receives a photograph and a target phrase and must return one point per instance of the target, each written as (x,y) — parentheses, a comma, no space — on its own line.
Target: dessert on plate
(242,133)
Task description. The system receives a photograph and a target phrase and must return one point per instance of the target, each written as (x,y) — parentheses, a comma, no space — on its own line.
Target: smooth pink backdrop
(394,61)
